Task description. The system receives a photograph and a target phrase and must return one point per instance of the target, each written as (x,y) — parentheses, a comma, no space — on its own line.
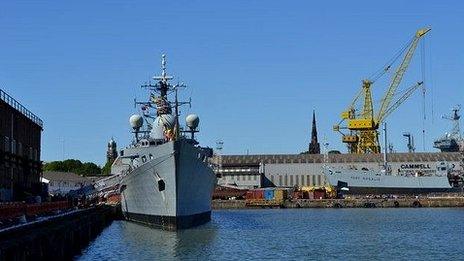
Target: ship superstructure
(168,180)
(452,141)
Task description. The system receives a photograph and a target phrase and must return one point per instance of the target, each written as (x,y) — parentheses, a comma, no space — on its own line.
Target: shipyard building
(20,165)
(254,171)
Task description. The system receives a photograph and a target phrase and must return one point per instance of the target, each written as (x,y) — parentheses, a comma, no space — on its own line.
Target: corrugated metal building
(61,183)
(305,169)
(20,137)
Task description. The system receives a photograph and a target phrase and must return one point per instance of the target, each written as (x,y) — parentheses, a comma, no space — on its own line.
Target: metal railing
(19,107)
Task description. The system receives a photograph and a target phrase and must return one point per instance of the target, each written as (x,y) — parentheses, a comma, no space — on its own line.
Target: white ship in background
(169,181)
(383,182)
(412,181)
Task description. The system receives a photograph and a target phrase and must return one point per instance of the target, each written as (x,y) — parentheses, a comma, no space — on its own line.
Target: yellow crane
(363,136)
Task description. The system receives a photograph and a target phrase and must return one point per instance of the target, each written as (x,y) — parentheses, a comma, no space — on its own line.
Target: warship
(168,180)
(364,181)
(409,181)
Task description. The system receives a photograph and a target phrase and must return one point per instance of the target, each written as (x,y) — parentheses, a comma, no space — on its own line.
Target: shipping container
(269,194)
(280,194)
(249,194)
(319,194)
(221,192)
(255,194)
(305,195)
(297,194)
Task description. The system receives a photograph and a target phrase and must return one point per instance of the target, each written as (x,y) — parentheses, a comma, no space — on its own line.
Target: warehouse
(20,165)
(305,169)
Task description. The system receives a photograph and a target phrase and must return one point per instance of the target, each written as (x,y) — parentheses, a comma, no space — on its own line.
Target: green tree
(75,166)
(106,170)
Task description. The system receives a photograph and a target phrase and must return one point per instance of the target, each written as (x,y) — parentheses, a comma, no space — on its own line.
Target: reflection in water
(295,234)
(132,241)
(163,243)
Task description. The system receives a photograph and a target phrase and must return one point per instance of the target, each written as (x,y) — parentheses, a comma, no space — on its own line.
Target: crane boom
(405,96)
(398,76)
(362,123)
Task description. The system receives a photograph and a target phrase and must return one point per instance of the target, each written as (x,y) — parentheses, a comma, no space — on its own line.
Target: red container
(319,194)
(305,195)
(255,194)
(249,195)
(259,194)
(11,210)
(226,193)
(297,194)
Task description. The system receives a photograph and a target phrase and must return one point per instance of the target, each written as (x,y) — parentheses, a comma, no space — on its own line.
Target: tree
(88,168)
(73,165)
(106,170)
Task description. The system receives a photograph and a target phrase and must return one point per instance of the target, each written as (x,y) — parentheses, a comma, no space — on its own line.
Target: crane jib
(363,127)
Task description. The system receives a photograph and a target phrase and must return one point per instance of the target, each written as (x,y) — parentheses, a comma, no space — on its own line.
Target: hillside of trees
(72,165)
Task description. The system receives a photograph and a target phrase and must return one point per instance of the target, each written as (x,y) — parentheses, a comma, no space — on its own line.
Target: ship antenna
(163,67)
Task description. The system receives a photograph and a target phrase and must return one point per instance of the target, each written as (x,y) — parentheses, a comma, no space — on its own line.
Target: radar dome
(136,121)
(192,121)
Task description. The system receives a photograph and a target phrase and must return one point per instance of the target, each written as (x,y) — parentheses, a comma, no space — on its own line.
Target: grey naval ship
(412,181)
(168,181)
(364,181)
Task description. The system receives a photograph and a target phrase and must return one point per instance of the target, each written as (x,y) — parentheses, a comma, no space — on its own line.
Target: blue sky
(255,69)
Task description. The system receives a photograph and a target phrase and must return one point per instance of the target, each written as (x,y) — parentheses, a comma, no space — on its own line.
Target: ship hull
(388,190)
(171,190)
(371,182)
(170,222)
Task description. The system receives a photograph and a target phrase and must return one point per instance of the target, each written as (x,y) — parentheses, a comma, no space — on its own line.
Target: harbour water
(293,234)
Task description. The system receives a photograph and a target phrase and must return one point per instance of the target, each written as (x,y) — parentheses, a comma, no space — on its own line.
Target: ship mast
(160,102)
(163,85)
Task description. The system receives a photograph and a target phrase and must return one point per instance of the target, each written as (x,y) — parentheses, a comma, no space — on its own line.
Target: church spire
(314,147)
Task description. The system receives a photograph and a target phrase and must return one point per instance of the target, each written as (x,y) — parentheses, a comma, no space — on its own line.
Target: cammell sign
(415,166)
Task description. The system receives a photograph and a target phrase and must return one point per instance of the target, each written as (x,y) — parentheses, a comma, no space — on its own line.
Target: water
(293,234)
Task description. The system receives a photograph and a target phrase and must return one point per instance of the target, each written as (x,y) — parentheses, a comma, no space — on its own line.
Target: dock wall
(349,203)
(55,238)
(228,204)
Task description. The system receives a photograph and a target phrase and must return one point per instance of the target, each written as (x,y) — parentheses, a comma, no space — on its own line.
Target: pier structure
(56,237)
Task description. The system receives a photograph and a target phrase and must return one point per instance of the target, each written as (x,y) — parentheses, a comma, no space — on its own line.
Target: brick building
(20,165)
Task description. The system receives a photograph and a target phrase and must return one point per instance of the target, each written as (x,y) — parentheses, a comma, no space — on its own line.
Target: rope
(422,54)
(379,73)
